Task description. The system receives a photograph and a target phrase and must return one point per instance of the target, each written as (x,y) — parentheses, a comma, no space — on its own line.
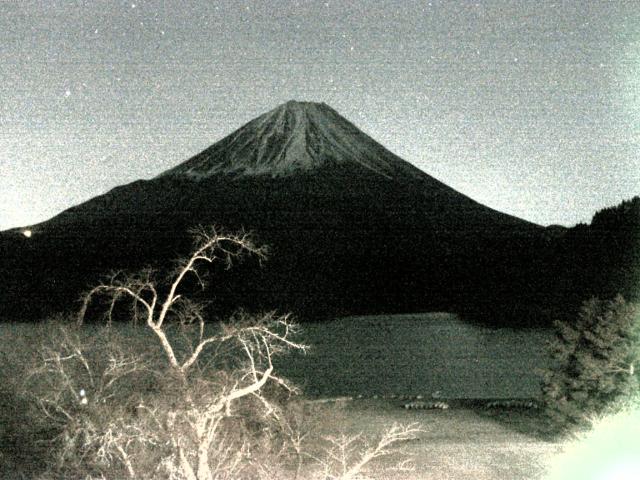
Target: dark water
(424,354)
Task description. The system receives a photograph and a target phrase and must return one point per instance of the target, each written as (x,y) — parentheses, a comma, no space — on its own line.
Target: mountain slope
(352,228)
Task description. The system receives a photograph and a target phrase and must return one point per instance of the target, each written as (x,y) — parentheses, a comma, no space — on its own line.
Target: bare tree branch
(248,342)
(348,455)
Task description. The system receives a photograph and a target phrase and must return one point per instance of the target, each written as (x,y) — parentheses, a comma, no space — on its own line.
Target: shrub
(594,360)
(347,455)
(87,384)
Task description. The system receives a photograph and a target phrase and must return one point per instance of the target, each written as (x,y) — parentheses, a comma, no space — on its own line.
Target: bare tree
(142,288)
(195,424)
(208,410)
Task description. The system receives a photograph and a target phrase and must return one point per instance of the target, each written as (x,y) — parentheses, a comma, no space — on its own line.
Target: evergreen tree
(594,361)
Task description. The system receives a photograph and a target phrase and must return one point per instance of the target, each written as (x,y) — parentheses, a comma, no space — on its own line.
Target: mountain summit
(294,137)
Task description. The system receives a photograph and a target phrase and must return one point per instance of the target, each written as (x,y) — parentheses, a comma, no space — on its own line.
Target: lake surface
(418,354)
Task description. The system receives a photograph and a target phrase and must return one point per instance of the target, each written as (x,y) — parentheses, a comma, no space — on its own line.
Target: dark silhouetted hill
(602,259)
(352,229)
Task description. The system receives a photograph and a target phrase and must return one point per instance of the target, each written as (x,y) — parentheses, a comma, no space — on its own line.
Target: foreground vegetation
(105,408)
(594,366)
(178,399)
(465,442)
(48,430)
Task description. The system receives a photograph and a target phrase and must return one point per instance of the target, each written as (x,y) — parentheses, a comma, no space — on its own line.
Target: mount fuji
(352,228)
(295,137)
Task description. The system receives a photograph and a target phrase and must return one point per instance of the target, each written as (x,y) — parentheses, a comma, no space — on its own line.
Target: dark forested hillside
(602,258)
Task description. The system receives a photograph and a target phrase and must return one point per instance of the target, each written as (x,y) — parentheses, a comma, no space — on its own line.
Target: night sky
(530,107)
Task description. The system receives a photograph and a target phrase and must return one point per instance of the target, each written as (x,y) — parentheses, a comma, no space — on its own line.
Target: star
(67,93)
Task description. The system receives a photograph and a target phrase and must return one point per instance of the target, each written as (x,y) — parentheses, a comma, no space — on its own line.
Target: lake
(418,354)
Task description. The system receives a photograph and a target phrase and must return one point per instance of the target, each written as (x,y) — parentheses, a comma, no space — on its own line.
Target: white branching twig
(198,447)
(348,455)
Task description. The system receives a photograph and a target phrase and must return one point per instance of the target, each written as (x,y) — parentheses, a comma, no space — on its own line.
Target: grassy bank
(459,443)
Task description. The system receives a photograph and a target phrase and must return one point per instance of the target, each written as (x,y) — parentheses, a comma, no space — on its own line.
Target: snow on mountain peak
(295,136)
